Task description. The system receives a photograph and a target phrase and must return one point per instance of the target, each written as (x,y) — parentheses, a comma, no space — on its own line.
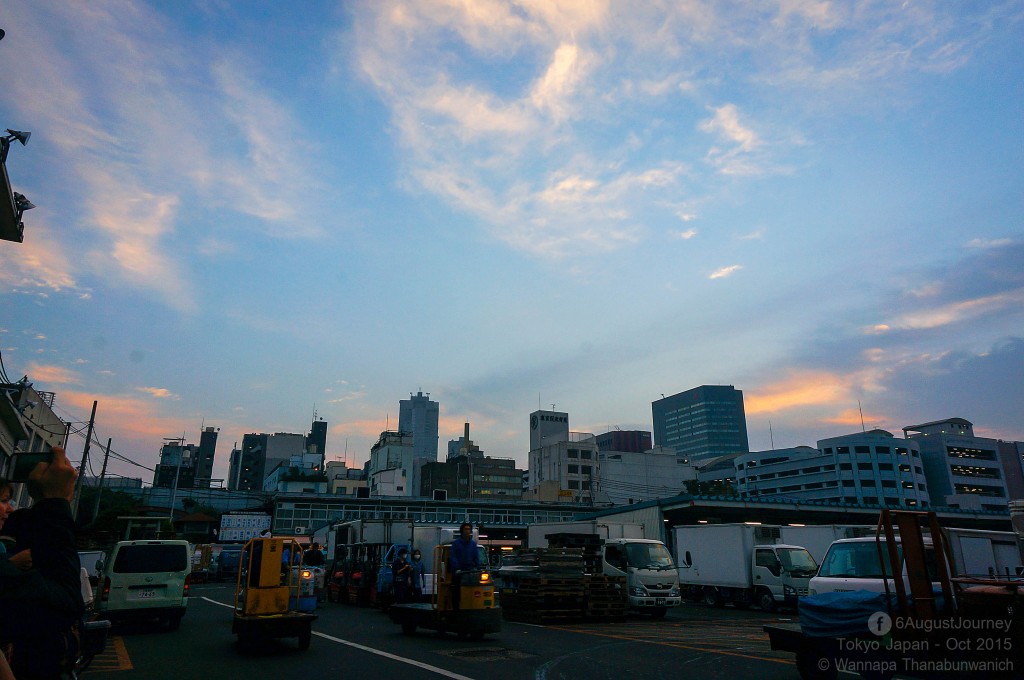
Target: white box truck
(721,563)
(646,564)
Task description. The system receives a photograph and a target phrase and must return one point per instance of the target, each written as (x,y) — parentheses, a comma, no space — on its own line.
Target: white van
(853,564)
(146,579)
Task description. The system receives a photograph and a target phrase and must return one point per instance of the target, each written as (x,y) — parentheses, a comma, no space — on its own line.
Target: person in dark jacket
(313,557)
(401,572)
(42,603)
(463,556)
(419,576)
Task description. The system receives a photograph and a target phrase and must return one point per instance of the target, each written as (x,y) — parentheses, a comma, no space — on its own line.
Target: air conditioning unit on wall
(299,531)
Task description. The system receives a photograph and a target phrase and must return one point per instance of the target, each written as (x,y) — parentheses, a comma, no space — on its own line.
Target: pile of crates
(562,583)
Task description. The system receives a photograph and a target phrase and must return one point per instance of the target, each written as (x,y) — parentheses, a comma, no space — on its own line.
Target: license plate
(660,602)
(145,594)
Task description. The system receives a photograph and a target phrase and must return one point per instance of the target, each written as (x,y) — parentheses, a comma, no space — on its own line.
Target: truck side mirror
(99,566)
(687,560)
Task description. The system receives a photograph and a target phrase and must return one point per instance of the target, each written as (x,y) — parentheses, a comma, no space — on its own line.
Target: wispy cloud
(958,312)
(723,272)
(159,392)
(989,243)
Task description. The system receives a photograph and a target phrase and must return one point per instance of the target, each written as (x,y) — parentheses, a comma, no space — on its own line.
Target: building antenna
(346,451)
(861,416)
(771,435)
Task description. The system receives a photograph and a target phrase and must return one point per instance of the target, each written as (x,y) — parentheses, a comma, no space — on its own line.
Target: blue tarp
(841,614)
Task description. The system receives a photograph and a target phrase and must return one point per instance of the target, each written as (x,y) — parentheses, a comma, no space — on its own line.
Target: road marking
(114,657)
(371,650)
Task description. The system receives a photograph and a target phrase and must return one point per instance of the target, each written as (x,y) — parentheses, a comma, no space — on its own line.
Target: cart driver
(463,556)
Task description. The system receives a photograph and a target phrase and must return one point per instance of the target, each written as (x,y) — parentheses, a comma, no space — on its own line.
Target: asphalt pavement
(692,641)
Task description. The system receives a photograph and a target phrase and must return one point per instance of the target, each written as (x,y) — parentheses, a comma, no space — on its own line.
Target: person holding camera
(42,603)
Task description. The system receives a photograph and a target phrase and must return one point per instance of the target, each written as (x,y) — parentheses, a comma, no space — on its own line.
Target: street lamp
(12,205)
(13,135)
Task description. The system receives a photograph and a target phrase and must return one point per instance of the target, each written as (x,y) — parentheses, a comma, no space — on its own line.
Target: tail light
(105,593)
(485,577)
(306,573)
(188,581)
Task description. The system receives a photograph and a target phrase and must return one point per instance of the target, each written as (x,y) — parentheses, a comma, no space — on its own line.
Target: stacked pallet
(606,597)
(541,598)
(550,585)
(589,546)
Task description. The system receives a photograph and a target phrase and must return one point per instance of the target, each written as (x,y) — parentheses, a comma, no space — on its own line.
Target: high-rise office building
(418,416)
(316,441)
(204,458)
(703,423)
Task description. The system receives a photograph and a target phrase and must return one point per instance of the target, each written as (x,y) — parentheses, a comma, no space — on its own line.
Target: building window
(901,450)
(574,469)
(888,484)
(864,466)
(846,466)
(842,449)
(573,453)
(885,466)
(882,449)
(862,449)
(586,469)
(585,455)
(573,484)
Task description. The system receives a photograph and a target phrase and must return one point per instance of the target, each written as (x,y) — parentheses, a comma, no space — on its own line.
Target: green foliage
(113,504)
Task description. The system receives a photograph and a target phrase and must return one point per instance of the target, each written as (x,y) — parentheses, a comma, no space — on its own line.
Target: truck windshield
(648,556)
(860,560)
(797,561)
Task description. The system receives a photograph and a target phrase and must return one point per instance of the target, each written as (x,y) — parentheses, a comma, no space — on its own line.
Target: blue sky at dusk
(251,210)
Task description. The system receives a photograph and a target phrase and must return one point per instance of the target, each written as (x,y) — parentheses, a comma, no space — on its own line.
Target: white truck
(854,564)
(646,564)
(722,563)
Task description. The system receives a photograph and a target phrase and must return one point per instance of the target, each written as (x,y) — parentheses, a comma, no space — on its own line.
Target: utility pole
(85,459)
(99,487)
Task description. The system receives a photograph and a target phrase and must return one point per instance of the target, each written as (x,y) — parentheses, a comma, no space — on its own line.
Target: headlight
(638,591)
(812,591)
(674,592)
(485,577)
(306,573)
(788,590)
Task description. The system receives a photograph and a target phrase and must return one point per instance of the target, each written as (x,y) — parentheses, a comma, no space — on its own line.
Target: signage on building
(242,527)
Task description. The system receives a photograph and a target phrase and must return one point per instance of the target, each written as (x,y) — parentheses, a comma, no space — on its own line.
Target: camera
(25,462)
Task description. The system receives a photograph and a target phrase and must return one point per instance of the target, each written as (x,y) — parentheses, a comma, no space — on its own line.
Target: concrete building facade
(867,468)
(963,471)
(630,477)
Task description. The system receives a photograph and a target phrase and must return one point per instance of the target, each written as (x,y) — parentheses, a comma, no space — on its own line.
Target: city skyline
(246,214)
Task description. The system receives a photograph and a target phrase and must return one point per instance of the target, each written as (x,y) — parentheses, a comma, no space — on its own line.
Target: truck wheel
(711,597)
(409,628)
(305,637)
(766,601)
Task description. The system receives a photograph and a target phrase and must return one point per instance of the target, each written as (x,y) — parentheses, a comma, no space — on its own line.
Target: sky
(251,212)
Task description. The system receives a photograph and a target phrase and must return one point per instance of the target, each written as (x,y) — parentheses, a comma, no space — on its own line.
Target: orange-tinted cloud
(56,375)
(799,389)
(127,415)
